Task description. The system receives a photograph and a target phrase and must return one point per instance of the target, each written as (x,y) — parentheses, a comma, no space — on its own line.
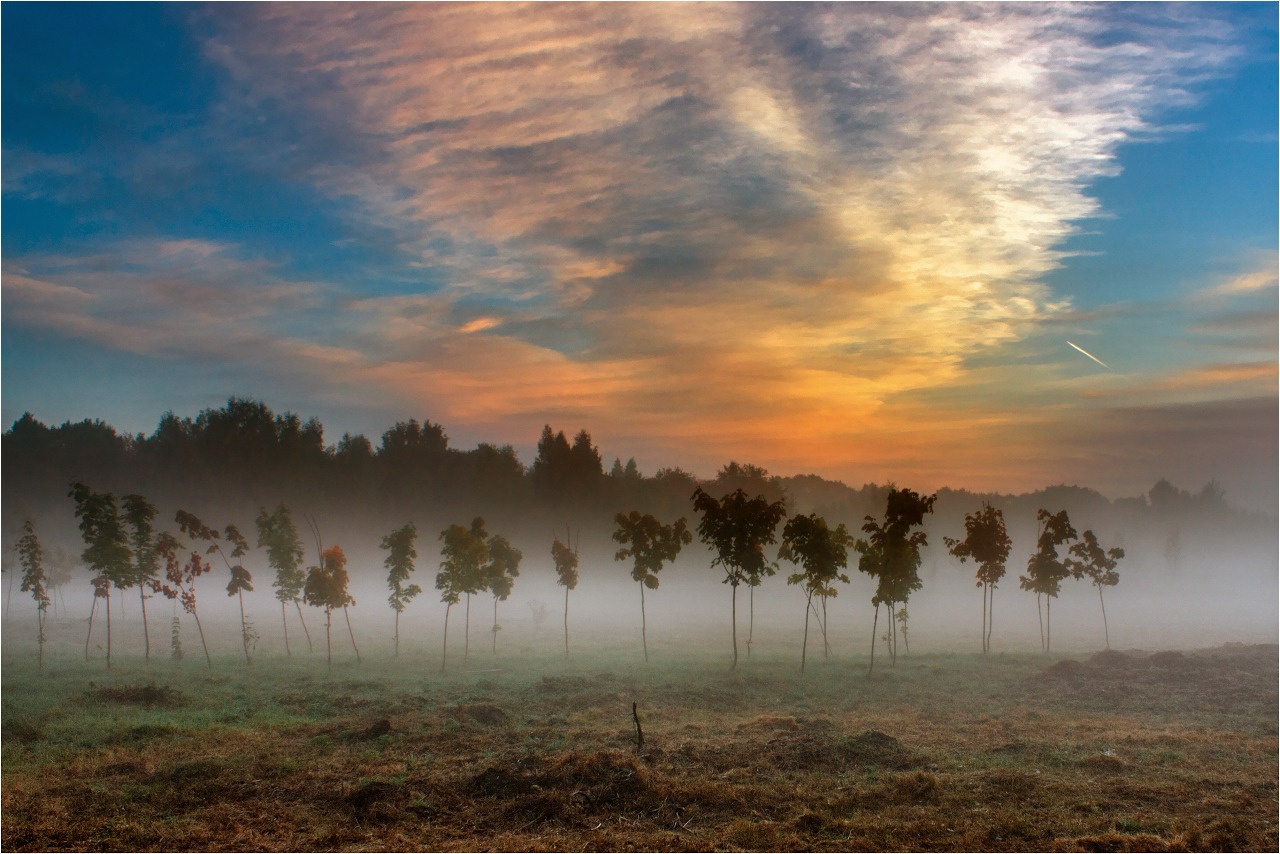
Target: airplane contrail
(1090,355)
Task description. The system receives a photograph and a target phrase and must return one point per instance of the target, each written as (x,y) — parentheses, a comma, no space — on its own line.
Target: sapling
(31,557)
(499,573)
(649,544)
(139,514)
(326,588)
(277,534)
(738,528)
(180,576)
(241,580)
(399,545)
(891,555)
(1045,570)
(988,543)
(821,553)
(1090,561)
(106,551)
(566,560)
(462,560)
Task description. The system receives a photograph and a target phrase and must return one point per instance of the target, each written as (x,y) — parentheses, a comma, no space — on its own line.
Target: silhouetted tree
(106,551)
(1045,570)
(566,561)
(462,560)
(1090,561)
(987,543)
(241,580)
(180,575)
(326,587)
(821,552)
(500,572)
(277,534)
(399,546)
(738,528)
(139,516)
(31,557)
(649,544)
(891,555)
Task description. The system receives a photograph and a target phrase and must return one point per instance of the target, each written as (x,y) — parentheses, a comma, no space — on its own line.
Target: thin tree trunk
(984,618)
(495,625)
(826,643)
(466,632)
(751,620)
(347,614)
(108,629)
(566,622)
(40,629)
(200,629)
(88,637)
(875,622)
(285,622)
(804,646)
(1105,632)
(146,633)
(302,620)
(328,644)
(644,637)
(734,612)
(244,630)
(444,658)
(991,613)
(1040,617)
(397,634)
(1048,623)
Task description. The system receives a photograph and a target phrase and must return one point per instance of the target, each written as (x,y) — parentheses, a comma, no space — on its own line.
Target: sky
(852,240)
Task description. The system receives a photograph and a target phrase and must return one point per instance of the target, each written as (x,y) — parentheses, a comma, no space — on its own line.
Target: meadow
(526,749)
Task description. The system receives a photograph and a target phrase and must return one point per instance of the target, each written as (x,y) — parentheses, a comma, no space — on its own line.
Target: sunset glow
(847,239)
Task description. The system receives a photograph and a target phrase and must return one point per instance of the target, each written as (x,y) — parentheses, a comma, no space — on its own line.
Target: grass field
(1114,751)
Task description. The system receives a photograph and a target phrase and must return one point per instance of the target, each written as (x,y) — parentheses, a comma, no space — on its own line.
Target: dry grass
(1116,752)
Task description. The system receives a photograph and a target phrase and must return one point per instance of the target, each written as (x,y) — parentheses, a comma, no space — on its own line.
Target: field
(1111,751)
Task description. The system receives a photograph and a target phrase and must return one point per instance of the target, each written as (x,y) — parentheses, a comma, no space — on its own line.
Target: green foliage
(566,561)
(276,533)
(649,544)
(1045,570)
(139,516)
(463,557)
(401,552)
(986,542)
(821,553)
(31,557)
(738,528)
(1090,561)
(891,553)
(106,552)
(326,585)
(241,579)
(502,567)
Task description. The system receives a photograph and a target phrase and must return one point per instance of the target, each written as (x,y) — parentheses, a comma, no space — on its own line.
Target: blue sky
(851,240)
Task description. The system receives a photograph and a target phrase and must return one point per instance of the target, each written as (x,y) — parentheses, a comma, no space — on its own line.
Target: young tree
(180,576)
(1045,570)
(987,542)
(241,580)
(821,553)
(891,555)
(1098,566)
(462,560)
(566,560)
(399,546)
(106,549)
(649,544)
(326,587)
(738,528)
(499,573)
(139,514)
(278,535)
(31,556)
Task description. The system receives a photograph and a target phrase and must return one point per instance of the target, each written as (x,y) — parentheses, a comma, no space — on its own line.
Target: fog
(1222,590)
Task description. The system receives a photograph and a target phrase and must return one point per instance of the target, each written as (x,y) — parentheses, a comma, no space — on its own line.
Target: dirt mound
(482,713)
(137,695)
(1065,669)
(1111,659)
(816,749)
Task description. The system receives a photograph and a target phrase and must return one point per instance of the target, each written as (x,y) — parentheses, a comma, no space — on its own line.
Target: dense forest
(230,462)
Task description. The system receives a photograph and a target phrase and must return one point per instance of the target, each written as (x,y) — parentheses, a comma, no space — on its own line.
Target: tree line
(124,549)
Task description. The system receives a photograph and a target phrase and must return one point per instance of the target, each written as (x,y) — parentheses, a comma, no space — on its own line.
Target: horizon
(987,248)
